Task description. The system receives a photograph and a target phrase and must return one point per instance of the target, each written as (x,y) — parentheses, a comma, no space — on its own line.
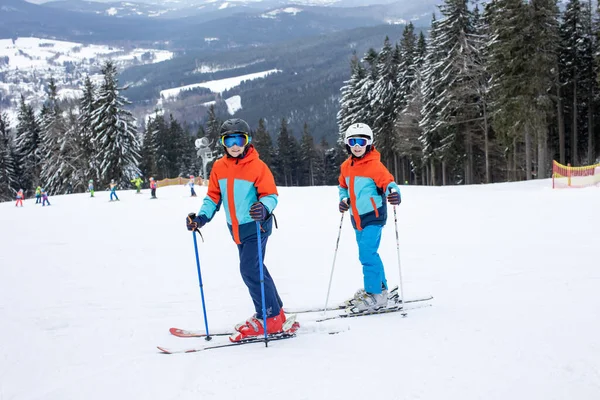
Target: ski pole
(399,265)
(337,243)
(262,282)
(208,337)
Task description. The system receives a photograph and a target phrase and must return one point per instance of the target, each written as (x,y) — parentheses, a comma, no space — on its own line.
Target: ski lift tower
(204,152)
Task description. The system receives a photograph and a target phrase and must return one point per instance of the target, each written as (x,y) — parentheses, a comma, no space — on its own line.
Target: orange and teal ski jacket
(366,182)
(238,183)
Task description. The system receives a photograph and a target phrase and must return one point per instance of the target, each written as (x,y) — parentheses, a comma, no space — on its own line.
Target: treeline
(491,95)
(61,149)
(64,145)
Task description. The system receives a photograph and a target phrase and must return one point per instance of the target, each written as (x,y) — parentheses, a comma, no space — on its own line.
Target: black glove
(344,206)
(258,211)
(394,198)
(193,222)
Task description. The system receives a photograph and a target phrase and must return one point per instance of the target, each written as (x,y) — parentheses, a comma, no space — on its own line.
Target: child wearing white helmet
(365,184)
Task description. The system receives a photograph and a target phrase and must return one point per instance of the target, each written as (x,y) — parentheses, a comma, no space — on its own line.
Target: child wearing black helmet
(245,186)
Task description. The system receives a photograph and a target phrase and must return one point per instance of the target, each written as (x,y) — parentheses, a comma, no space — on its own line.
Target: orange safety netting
(178,181)
(565,176)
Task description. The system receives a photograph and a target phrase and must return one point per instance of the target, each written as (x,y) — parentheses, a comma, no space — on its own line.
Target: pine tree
(407,123)
(158,129)
(213,131)
(263,143)
(8,178)
(58,148)
(509,65)
(362,107)
(86,132)
(28,142)
(431,108)
(383,100)
(456,91)
(349,96)
(308,157)
(148,153)
(407,68)
(116,141)
(543,48)
(283,163)
(184,148)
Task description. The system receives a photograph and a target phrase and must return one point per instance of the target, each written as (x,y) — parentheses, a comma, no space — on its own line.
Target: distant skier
(364,183)
(191,183)
(38,195)
(252,198)
(113,190)
(45,198)
(91,187)
(153,187)
(137,183)
(20,197)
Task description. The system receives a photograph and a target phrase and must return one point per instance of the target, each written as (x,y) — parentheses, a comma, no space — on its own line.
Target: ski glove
(258,211)
(394,198)
(193,222)
(344,206)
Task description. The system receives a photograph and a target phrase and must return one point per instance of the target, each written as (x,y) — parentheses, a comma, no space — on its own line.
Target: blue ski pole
(262,282)
(208,337)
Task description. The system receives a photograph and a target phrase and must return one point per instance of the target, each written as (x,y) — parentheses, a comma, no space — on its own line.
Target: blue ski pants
(250,271)
(113,194)
(368,244)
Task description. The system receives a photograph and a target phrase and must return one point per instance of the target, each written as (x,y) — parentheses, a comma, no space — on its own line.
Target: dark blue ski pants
(250,271)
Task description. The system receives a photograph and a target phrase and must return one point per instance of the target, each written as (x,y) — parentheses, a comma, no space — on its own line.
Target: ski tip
(163,350)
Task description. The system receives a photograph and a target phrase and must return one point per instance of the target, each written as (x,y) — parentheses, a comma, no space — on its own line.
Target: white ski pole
(337,243)
(399,264)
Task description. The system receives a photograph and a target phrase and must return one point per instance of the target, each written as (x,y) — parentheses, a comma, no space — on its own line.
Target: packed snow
(89,288)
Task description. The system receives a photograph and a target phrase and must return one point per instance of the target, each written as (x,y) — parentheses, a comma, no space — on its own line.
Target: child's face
(235,150)
(358,151)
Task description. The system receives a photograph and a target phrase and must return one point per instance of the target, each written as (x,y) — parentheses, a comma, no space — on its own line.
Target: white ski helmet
(359,129)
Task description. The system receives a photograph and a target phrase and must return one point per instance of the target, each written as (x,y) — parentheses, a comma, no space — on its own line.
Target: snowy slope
(88,288)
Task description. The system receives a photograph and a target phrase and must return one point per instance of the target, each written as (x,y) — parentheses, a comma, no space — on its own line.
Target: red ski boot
(254,327)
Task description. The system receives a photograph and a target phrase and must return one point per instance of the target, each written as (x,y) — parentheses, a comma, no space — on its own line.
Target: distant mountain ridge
(233,24)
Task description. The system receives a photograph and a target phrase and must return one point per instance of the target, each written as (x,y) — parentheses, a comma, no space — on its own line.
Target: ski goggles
(235,139)
(357,141)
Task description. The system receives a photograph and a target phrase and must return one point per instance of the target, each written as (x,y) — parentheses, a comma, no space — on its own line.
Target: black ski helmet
(235,125)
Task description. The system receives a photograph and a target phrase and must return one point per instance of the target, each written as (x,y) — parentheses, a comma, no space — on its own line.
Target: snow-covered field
(28,64)
(34,53)
(217,86)
(88,288)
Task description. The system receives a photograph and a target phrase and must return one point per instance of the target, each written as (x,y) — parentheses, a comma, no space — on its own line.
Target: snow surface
(88,288)
(217,86)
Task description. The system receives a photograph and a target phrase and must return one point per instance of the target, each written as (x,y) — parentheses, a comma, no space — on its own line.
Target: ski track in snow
(89,288)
